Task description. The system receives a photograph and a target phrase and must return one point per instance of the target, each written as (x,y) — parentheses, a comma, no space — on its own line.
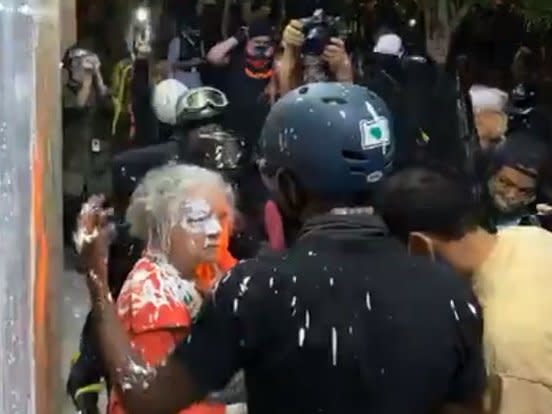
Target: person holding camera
(312,53)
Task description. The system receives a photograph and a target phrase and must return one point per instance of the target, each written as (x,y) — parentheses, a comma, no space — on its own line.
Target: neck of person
(476,247)
(184,268)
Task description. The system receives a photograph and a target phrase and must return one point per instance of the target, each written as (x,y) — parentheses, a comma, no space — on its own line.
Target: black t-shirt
(248,103)
(345,321)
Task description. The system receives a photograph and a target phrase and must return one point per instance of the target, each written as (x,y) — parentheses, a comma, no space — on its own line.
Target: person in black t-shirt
(345,320)
(247,59)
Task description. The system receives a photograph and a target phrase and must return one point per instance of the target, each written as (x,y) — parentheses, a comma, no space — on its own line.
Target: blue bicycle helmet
(335,138)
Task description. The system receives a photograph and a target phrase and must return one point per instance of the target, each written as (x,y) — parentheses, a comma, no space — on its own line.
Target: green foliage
(537,13)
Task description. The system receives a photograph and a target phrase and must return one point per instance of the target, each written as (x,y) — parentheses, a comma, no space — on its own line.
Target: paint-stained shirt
(344,321)
(157,308)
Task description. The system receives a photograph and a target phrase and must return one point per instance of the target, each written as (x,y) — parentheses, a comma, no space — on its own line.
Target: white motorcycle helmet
(166,96)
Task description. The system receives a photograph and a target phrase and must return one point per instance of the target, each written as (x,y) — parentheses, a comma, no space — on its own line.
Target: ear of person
(420,245)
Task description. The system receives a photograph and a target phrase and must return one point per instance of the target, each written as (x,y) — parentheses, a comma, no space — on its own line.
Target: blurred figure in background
(186,54)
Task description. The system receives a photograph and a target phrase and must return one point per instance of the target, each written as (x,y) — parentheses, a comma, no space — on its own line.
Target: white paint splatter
(311,253)
(453,307)
(294,279)
(136,375)
(368,301)
(271,282)
(198,218)
(244,285)
(473,309)
(350,330)
(225,278)
(334,346)
(331,281)
(82,237)
(293,301)
(302,334)
(307,319)
(159,285)
(235,306)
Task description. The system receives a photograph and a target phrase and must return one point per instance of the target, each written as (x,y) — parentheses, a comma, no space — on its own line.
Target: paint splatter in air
(453,307)
(302,334)
(334,346)
(244,285)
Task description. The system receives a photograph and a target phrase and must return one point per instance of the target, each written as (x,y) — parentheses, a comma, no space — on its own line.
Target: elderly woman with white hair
(184,213)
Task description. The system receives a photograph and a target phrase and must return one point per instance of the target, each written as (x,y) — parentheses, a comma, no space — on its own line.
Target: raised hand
(92,237)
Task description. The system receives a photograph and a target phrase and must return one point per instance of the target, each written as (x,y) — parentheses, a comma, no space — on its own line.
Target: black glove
(241,35)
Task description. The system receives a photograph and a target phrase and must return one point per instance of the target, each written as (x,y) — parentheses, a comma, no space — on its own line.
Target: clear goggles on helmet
(198,99)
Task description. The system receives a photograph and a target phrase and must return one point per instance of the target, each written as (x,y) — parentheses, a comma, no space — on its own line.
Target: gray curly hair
(154,205)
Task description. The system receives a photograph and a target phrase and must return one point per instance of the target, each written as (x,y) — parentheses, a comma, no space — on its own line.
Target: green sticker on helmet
(376,132)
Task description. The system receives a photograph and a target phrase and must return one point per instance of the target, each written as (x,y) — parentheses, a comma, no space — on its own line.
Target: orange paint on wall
(41,278)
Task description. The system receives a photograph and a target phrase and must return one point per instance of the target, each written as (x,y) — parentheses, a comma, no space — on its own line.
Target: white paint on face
(198,218)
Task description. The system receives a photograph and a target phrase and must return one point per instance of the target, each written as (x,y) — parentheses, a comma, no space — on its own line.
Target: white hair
(154,205)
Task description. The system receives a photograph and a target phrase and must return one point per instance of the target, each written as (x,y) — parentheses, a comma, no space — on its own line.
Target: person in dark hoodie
(344,320)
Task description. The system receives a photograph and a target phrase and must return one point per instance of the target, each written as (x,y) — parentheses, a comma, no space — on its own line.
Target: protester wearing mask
(247,58)
(336,323)
(186,54)
(514,178)
(298,66)
(510,273)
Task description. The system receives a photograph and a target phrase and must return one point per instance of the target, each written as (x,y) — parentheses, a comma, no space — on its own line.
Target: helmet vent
(358,170)
(304,90)
(334,100)
(353,155)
